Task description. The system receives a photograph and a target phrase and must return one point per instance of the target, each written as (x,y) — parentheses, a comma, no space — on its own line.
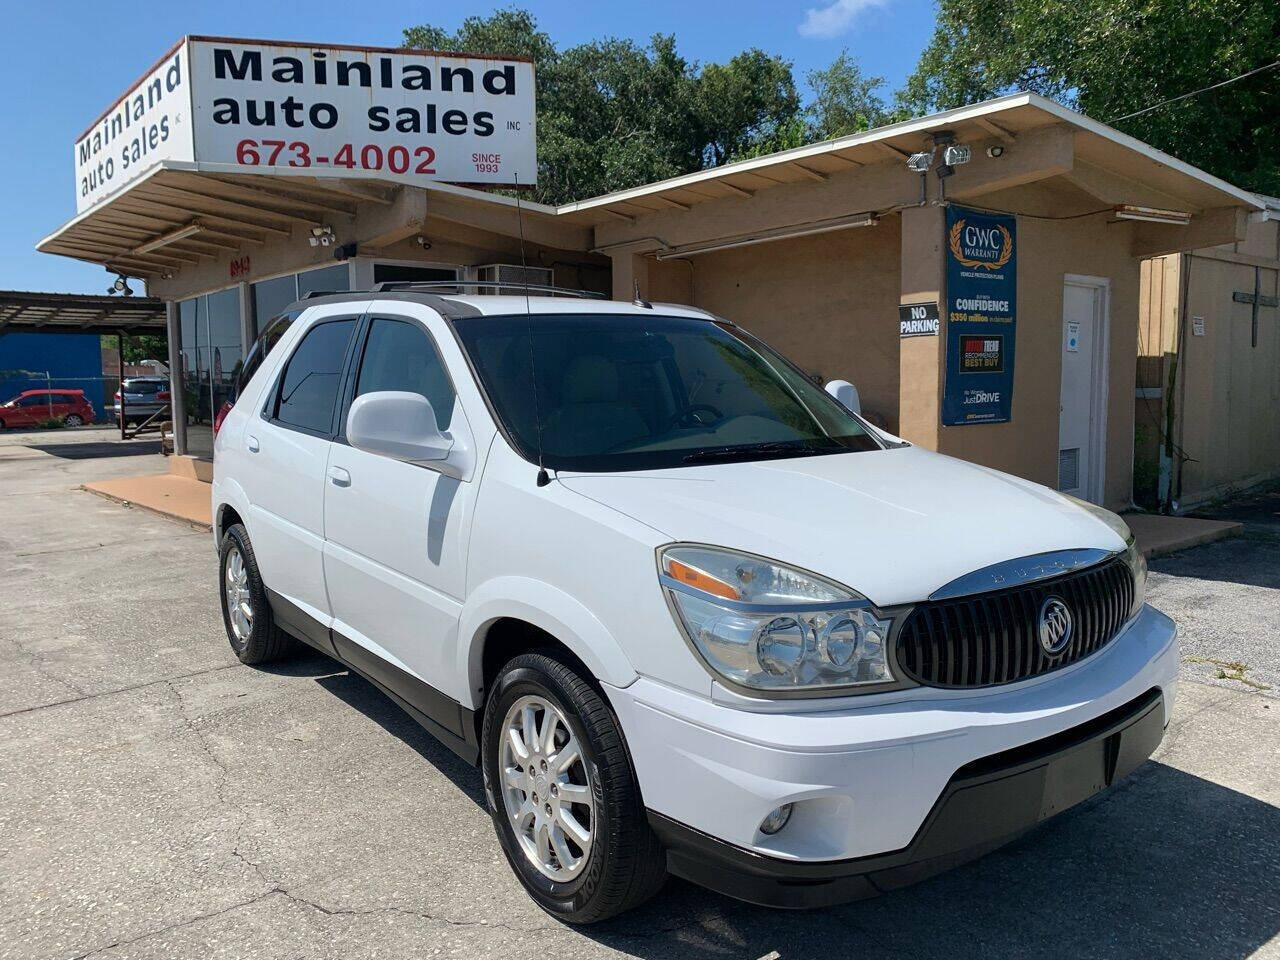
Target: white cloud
(823,23)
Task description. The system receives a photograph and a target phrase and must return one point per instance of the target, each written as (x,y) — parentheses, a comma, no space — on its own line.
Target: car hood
(895,525)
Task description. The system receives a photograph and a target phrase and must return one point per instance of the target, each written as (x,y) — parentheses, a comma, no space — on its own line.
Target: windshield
(617,392)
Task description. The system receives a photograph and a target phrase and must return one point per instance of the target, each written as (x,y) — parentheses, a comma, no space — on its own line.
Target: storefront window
(335,279)
(270,297)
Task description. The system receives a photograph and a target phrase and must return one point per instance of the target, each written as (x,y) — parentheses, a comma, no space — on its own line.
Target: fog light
(776,820)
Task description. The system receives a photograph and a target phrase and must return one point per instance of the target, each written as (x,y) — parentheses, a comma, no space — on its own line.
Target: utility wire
(1194,93)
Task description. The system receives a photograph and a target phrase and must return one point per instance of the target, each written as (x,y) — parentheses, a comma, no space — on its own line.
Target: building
(836,253)
(1209,369)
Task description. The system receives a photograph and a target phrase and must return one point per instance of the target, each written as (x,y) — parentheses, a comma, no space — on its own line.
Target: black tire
(626,864)
(265,641)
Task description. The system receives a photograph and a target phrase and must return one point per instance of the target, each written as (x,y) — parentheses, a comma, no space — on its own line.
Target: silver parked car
(143,396)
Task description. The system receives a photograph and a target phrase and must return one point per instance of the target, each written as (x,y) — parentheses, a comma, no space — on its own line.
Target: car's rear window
(144,386)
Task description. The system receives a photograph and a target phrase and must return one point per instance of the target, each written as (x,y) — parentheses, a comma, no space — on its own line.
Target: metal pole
(120,363)
(177,391)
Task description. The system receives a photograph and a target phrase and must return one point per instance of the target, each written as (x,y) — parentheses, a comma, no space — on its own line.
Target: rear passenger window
(401,356)
(263,346)
(308,389)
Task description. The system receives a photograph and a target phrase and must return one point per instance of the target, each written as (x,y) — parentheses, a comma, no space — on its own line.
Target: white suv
(686,611)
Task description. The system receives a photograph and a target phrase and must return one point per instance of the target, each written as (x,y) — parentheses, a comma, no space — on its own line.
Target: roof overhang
(28,312)
(181,212)
(1097,147)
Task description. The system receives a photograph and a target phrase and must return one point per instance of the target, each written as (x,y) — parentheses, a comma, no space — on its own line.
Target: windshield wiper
(749,450)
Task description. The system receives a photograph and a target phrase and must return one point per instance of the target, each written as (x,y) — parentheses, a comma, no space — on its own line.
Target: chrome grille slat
(993,638)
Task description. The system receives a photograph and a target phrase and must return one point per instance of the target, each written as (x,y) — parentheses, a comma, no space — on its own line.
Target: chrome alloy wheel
(546,789)
(239,603)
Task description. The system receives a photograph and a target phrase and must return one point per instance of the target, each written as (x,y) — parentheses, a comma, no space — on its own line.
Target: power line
(1194,93)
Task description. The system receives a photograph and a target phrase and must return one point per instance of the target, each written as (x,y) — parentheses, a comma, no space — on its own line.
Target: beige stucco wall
(828,302)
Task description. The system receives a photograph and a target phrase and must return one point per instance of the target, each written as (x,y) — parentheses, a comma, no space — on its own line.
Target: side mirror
(846,393)
(399,425)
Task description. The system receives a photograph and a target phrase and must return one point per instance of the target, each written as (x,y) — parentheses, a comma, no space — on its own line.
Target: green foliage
(844,101)
(140,346)
(613,114)
(1109,58)
(50,423)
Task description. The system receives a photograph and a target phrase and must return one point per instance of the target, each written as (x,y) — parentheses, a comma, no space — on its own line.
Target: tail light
(222,415)
(163,396)
(117,397)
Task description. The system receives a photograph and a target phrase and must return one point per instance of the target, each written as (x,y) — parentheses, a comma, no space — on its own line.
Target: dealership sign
(333,111)
(982,307)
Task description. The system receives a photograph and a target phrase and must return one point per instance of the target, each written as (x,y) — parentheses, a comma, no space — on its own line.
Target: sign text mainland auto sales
(392,114)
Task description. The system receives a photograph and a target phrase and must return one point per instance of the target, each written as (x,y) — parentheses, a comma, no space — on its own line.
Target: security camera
(423,242)
(995,150)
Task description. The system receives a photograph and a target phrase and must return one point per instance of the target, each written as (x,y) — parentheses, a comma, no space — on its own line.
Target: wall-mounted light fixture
(321,236)
(1128,211)
(764,236)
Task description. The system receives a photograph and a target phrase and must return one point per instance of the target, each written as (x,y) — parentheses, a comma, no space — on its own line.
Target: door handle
(251,444)
(340,477)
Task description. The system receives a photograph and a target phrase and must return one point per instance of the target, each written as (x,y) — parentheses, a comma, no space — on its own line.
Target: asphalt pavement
(157,799)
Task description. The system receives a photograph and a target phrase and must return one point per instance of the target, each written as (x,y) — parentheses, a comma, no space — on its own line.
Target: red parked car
(35,406)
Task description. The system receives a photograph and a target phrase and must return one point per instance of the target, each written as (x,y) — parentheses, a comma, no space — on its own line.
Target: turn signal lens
(693,577)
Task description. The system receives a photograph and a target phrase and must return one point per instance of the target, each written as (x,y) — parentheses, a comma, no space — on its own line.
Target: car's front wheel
(563,794)
(246,614)
(73,420)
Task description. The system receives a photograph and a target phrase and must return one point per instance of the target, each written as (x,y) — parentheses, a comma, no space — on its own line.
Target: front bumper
(867,775)
(986,804)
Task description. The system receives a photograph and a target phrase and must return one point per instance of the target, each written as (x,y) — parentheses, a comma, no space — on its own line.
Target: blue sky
(64,62)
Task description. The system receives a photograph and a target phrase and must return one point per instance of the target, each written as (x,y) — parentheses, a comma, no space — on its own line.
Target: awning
(28,312)
(181,213)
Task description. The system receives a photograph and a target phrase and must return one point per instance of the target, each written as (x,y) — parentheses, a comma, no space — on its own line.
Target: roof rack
(410,285)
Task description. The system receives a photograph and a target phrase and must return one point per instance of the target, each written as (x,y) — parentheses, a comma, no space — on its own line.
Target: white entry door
(1082,429)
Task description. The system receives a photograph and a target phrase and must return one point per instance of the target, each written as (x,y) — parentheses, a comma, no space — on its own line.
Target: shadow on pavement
(1164,864)
(97,450)
(355,691)
(1246,560)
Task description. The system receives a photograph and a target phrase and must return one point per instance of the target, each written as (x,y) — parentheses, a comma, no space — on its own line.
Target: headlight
(767,626)
(1132,556)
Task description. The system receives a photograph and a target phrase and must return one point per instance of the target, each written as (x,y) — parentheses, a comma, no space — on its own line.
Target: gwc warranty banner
(982,296)
(358,112)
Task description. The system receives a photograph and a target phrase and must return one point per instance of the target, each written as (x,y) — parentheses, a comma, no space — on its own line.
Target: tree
(1109,58)
(139,346)
(613,114)
(844,100)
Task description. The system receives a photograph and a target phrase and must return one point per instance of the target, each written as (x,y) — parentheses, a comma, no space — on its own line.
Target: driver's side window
(400,355)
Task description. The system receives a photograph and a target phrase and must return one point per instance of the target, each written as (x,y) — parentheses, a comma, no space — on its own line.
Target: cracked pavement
(159,800)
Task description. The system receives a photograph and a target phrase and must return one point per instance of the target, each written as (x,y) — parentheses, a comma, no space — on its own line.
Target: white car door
(395,532)
(285,452)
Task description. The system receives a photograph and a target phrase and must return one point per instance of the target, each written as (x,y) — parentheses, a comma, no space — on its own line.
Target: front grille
(993,638)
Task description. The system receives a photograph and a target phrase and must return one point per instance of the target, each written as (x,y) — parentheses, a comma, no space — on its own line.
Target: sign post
(982,286)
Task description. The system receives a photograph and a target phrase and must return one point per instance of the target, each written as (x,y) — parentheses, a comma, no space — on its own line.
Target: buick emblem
(1056,626)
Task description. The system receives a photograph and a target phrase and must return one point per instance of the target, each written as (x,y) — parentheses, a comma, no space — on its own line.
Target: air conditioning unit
(512,276)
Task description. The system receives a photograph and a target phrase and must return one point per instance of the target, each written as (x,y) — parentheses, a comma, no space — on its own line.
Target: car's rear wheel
(246,614)
(73,420)
(563,794)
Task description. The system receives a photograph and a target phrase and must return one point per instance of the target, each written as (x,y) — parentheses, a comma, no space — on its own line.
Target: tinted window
(309,386)
(144,386)
(400,356)
(261,348)
(615,392)
(36,400)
